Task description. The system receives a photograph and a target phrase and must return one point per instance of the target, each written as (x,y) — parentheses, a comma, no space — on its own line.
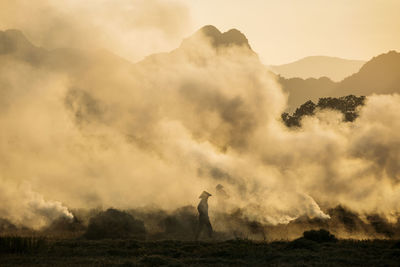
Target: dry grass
(305,252)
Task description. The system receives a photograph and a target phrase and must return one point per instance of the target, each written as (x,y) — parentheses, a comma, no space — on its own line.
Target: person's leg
(209,229)
(199,230)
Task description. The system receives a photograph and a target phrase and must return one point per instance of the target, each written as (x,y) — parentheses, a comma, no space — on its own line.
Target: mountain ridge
(335,68)
(380,75)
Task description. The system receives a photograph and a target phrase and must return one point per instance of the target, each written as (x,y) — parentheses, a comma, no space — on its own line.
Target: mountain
(13,44)
(219,39)
(301,90)
(319,66)
(15,47)
(380,75)
(190,45)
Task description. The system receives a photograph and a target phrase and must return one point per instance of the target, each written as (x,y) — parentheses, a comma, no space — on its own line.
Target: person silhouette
(204,220)
(222,195)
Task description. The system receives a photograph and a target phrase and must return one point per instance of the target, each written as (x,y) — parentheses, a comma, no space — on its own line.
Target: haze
(280,31)
(286,30)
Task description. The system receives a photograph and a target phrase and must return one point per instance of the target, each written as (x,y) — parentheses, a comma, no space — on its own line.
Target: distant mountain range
(379,75)
(334,68)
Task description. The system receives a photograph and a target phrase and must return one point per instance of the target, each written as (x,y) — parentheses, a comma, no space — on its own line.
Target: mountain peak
(233,37)
(390,59)
(380,75)
(12,41)
(209,31)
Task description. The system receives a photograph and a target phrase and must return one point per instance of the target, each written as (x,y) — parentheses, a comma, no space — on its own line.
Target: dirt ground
(301,252)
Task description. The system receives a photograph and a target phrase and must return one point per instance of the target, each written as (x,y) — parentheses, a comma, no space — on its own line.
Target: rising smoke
(89,129)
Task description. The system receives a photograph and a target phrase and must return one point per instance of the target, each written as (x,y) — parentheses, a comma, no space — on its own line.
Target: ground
(301,252)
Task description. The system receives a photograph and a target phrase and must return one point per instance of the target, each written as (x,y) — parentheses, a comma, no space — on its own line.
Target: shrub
(115,224)
(302,243)
(319,236)
(65,227)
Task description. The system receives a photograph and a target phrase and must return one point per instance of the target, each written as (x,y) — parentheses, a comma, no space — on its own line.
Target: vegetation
(380,75)
(347,105)
(319,236)
(115,224)
(128,252)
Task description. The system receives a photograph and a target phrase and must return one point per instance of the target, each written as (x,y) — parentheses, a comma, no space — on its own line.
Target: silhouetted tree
(347,105)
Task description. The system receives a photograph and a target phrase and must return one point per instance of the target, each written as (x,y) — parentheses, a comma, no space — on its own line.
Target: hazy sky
(279,30)
(285,30)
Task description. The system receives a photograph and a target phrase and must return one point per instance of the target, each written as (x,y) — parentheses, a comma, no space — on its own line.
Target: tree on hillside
(347,105)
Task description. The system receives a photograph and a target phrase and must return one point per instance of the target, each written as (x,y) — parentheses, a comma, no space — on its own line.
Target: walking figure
(204,220)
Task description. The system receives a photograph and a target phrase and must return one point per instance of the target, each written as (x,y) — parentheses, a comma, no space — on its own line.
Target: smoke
(25,207)
(121,26)
(89,129)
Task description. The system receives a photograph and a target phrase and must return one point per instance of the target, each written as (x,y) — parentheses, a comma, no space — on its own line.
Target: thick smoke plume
(90,129)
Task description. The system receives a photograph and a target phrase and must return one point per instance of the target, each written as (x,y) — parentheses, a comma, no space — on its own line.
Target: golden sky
(285,30)
(280,31)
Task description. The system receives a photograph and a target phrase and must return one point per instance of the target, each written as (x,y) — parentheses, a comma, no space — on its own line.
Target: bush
(115,224)
(319,236)
(302,243)
(65,227)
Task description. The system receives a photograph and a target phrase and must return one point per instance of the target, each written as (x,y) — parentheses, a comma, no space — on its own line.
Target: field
(301,252)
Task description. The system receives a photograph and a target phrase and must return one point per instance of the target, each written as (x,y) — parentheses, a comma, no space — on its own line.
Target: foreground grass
(178,253)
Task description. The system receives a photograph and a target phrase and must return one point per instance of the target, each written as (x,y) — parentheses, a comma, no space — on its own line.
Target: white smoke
(94,130)
(25,207)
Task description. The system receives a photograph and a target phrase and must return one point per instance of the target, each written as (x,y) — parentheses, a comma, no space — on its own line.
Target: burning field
(104,157)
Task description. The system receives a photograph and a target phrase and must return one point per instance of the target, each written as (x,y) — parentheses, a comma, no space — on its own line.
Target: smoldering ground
(89,129)
(153,224)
